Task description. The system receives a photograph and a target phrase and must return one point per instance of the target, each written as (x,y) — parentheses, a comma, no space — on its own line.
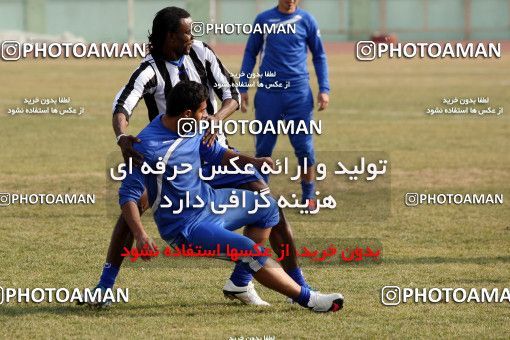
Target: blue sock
(304,297)
(108,276)
(308,189)
(241,276)
(297,275)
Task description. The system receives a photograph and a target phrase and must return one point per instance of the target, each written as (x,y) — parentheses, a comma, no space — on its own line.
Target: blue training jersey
(285,54)
(161,144)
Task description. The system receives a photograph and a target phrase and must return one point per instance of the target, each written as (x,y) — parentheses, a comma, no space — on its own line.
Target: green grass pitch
(375,106)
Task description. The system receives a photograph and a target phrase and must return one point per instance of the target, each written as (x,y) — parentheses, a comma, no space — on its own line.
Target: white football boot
(247,295)
(325,302)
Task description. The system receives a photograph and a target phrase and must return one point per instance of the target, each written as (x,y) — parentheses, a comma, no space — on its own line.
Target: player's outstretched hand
(244,102)
(323,100)
(146,245)
(126,146)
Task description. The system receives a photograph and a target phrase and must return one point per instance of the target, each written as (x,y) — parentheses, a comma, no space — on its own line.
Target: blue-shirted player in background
(286,55)
(203,227)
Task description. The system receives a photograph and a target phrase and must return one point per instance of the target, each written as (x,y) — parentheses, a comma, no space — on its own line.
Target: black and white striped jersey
(155,77)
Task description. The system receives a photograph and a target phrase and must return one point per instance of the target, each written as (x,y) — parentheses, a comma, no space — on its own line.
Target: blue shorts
(216,229)
(293,105)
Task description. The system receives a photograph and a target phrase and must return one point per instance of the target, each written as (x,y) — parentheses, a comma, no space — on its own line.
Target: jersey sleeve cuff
(124,200)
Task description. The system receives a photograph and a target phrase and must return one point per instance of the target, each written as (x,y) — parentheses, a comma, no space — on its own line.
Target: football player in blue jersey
(203,226)
(283,56)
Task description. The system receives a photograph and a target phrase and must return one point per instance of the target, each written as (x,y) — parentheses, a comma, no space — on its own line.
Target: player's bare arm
(125,141)
(228,107)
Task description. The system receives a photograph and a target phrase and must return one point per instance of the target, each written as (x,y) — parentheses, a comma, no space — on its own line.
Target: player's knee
(257,259)
(263,151)
(303,148)
(266,216)
(306,154)
(264,145)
